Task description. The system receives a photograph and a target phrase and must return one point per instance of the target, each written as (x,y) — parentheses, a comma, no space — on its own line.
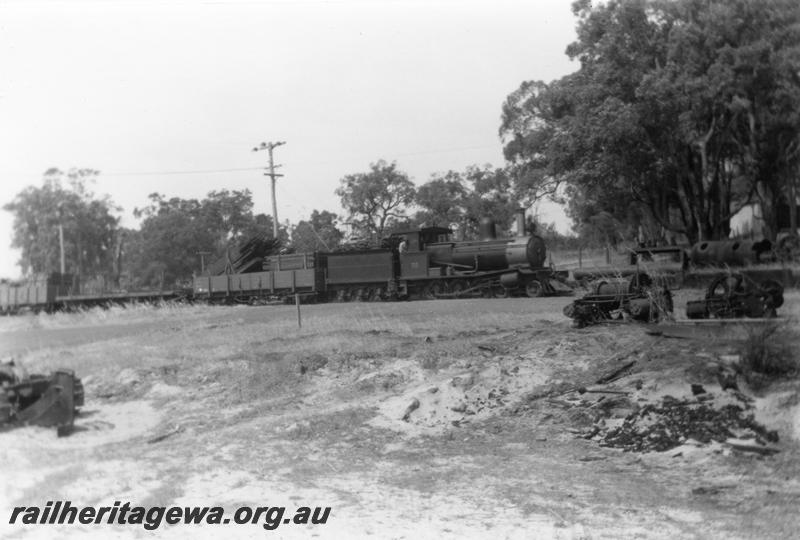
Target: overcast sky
(172,96)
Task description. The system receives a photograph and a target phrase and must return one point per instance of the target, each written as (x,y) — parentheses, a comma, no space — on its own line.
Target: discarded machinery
(42,400)
(731,252)
(637,298)
(737,295)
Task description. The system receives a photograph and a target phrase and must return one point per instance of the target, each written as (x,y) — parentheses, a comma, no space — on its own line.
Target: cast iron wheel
(456,289)
(639,281)
(772,293)
(358,294)
(534,289)
(486,290)
(498,291)
(433,290)
(723,286)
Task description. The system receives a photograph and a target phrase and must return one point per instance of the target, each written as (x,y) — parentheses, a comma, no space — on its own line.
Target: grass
(254,353)
(97,316)
(260,352)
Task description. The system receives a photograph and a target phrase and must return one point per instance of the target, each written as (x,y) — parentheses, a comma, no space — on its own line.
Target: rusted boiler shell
(729,252)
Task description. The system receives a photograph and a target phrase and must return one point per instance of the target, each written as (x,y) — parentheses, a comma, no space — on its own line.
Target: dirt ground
(427,419)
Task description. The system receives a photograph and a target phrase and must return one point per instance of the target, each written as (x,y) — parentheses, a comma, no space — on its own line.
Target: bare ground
(237,406)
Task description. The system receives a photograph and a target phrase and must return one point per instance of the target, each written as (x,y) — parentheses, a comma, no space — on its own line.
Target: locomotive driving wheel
(433,290)
(534,289)
(486,290)
(457,288)
(498,291)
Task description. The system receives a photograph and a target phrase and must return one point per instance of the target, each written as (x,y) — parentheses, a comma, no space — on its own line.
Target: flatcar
(56,292)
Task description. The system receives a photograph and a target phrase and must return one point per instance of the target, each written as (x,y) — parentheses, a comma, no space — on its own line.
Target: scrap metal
(41,400)
(737,295)
(637,298)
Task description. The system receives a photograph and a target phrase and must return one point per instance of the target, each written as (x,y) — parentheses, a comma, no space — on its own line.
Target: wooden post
(297,304)
(608,255)
(580,256)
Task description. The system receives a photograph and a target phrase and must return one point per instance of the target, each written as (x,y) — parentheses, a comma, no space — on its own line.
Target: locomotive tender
(429,265)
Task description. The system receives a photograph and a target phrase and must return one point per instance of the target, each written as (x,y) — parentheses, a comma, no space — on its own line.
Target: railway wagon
(55,291)
(38,294)
(281,275)
(343,276)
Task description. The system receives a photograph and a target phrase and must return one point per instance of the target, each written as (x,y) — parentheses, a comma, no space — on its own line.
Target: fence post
(580,256)
(297,304)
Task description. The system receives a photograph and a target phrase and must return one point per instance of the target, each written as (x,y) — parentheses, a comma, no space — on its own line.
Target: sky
(171,97)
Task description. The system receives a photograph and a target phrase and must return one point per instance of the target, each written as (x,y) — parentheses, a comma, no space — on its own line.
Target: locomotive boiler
(491,253)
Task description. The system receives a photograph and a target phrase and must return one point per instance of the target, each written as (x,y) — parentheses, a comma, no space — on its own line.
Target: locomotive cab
(414,258)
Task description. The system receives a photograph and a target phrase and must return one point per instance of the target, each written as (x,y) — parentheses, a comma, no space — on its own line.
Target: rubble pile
(661,427)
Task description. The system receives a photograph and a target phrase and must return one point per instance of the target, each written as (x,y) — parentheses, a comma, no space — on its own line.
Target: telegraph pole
(61,246)
(273,175)
(61,236)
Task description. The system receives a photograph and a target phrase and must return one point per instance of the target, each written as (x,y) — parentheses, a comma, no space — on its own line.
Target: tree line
(681,113)
(177,236)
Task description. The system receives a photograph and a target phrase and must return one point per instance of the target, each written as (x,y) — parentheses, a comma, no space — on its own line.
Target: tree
(375,198)
(261,225)
(318,233)
(441,200)
(464,198)
(89,228)
(680,109)
(174,231)
(228,213)
(490,194)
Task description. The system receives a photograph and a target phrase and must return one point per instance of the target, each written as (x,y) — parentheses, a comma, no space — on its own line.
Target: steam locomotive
(422,263)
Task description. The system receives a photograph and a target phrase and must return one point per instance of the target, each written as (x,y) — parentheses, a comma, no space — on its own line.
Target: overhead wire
(248,169)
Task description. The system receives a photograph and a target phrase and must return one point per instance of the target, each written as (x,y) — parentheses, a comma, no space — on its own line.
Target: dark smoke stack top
(521,222)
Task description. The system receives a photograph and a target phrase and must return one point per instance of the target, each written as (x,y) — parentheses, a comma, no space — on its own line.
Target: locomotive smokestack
(521,222)
(487,229)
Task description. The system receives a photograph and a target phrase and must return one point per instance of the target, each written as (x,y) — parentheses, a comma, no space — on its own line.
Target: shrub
(769,354)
